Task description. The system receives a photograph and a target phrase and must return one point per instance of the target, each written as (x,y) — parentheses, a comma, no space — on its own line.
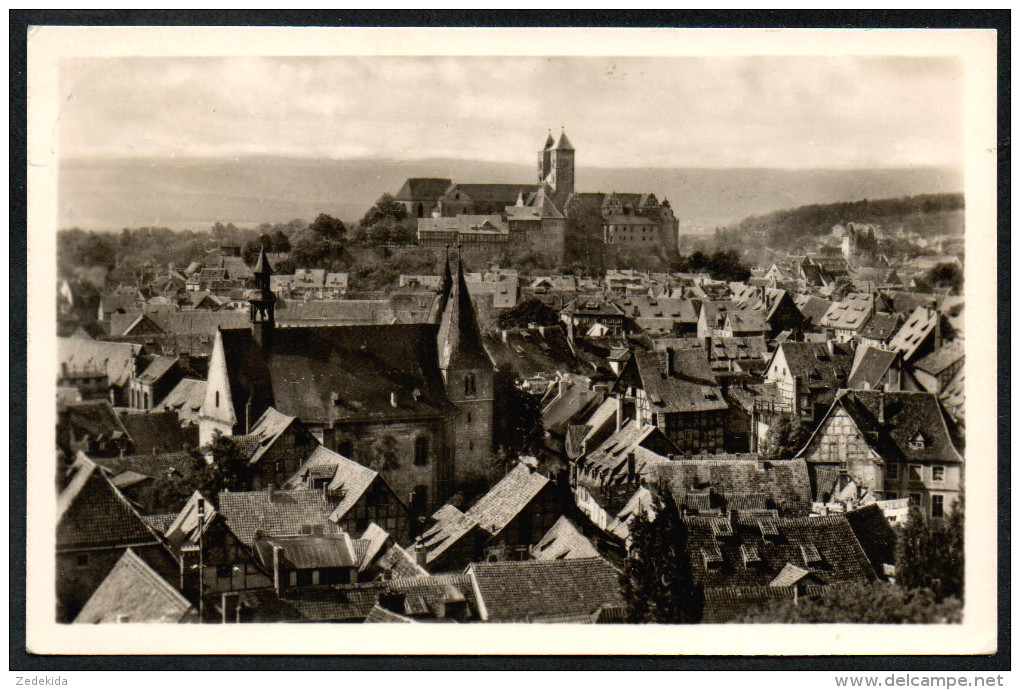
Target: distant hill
(798,229)
(194,193)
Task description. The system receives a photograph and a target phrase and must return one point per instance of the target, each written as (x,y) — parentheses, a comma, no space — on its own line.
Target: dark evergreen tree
(860,602)
(657,581)
(529,311)
(785,437)
(930,554)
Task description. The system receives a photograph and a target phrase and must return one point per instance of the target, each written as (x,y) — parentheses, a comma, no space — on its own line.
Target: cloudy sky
(843,112)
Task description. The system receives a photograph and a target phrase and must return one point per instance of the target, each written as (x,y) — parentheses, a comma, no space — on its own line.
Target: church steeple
(445,286)
(460,340)
(261,301)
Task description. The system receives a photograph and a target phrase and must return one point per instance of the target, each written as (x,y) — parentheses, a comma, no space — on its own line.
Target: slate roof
(135,593)
(689,387)
(248,511)
(156,432)
(423,189)
(871,366)
(266,431)
(522,591)
(641,306)
(784,484)
(906,415)
(721,557)
(499,193)
(563,540)
(574,400)
(91,512)
(746,321)
(157,368)
(117,359)
(303,370)
(918,326)
(350,482)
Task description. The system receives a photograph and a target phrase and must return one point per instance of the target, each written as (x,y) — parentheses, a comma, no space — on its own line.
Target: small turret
(261,300)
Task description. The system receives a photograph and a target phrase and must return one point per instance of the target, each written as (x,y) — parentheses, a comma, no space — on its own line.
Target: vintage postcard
(529,330)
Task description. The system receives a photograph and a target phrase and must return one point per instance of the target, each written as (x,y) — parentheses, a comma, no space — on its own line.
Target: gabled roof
(689,387)
(918,326)
(95,419)
(850,314)
(875,535)
(185,399)
(350,481)
(784,484)
(91,512)
(116,359)
(500,192)
(423,189)
(871,366)
(380,615)
(503,502)
(523,591)
(815,364)
(563,540)
(135,593)
(460,340)
(941,359)
(285,514)
(156,432)
(610,459)
(267,430)
(746,555)
(812,308)
(308,552)
(532,351)
(906,414)
(183,323)
(746,321)
(881,326)
(573,400)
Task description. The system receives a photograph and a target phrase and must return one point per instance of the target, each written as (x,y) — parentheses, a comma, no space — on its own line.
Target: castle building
(412,401)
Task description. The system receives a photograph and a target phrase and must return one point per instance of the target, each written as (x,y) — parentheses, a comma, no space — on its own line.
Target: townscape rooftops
(882,326)
(689,387)
(941,359)
(503,502)
(308,552)
(850,314)
(280,514)
(785,484)
(135,593)
(520,591)
(871,366)
(116,360)
(915,330)
(564,540)
(155,432)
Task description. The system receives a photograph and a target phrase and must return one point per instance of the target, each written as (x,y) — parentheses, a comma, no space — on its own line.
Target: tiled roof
(91,512)
(95,419)
(116,359)
(380,615)
(689,387)
(503,502)
(184,323)
(267,430)
(812,308)
(872,364)
(785,484)
(185,399)
(850,314)
(307,552)
(152,465)
(746,555)
(345,373)
(563,540)
(135,593)
(746,321)
(609,460)
(520,591)
(918,326)
(731,604)
(399,563)
(562,409)
(335,312)
(350,482)
(285,514)
(158,368)
(881,326)
(530,352)
(907,416)
(816,365)
(374,539)
(941,359)
(953,396)
(505,193)
(875,535)
(159,522)
(156,432)
(423,189)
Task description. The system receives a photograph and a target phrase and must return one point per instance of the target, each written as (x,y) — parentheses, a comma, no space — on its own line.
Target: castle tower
(561,164)
(261,301)
(544,157)
(468,375)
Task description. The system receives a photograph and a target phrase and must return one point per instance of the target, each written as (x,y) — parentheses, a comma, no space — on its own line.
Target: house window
(938,473)
(293,578)
(419,500)
(469,385)
(469,417)
(315,577)
(421,451)
(892,471)
(915,474)
(938,506)
(914,500)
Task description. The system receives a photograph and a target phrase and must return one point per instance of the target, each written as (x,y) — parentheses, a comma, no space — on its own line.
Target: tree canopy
(517,416)
(930,553)
(860,602)
(786,436)
(532,310)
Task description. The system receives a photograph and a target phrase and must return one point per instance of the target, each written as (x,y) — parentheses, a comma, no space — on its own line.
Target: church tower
(561,165)
(544,158)
(443,297)
(468,375)
(261,302)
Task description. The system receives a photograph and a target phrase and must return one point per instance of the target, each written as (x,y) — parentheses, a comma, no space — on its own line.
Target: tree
(280,241)
(657,581)
(786,436)
(860,602)
(385,208)
(929,553)
(529,311)
(517,416)
(946,275)
(378,452)
(328,228)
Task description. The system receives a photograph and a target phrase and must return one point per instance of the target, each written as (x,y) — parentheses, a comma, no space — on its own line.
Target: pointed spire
(460,340)
(564,143)
(445,286)
(262,265)
(549,142)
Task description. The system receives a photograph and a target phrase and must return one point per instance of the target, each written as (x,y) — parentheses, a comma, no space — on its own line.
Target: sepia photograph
(660,329)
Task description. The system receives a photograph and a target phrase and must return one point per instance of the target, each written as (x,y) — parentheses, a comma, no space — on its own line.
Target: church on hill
(412,401)
(493,217)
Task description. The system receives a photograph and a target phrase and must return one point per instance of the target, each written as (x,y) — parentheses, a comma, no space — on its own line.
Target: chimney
(278,569)
(669,362)
(797,380)
(420,554)
(393,399)
(938,329)
(708,347)
(184,362)
(881,406)
(619,412)
(631,468)
(271,492)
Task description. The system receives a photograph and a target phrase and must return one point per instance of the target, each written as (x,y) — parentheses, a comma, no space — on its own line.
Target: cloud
(712,112)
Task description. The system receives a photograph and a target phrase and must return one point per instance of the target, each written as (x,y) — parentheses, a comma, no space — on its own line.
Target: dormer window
(811,555)
(918,442)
